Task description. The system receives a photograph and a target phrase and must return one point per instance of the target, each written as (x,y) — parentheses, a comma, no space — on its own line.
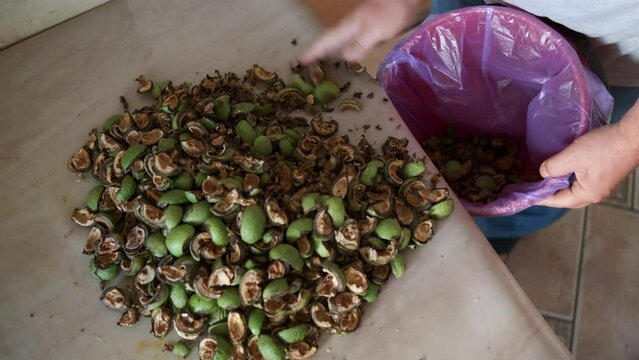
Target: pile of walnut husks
(240,223)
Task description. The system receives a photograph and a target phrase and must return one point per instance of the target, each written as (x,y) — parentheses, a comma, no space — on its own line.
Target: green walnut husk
(173,216)
(326,91)
(413,169)
(256,321)
(197,213)
(297,82)
(442,209)
(275,288)
(294,334)
(217,229)
(181,349)
(246,132)
(388,229)
(319,247)
(289,254)
(178,296)
(173,197)
(270,348)
(127,189)
(253,224)
(199,305)
(183,181)
(298,228)
(372,293)
(230,299)
(398,265)
(221,198)
(262,146)
(177,239)
(93,198)
(104,274)
(156,244)
(132,153)
(110,121)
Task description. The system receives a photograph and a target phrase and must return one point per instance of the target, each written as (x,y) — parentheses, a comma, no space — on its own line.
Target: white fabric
(612,26)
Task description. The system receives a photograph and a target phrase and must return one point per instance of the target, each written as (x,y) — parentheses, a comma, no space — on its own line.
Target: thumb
(562,163)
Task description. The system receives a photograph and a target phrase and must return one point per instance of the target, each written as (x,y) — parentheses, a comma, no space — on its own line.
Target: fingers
(565,198)
(562,163)
(354,52)
(361,44)
(331,40)
(574,197)
(370,23)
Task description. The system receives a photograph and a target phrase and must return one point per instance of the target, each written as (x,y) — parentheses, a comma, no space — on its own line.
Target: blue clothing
(537,217)
(625,98)
(442,6)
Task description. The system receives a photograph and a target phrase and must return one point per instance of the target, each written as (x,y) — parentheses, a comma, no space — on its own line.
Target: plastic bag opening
(496,71)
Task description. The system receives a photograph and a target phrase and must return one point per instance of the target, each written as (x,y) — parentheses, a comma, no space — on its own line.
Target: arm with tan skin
(601,159)
(372,22)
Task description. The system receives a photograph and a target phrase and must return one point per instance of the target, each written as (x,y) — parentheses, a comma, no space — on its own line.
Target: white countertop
(20,19)
(456,301)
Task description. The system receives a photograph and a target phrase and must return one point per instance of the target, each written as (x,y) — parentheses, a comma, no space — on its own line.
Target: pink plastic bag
(496,71)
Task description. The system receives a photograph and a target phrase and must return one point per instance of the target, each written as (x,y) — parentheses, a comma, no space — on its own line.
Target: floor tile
(607,325)
(545,264)
(622,195)
(562,328)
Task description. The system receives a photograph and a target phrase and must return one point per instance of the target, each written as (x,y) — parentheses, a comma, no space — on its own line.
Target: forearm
(410,9)
(629,128)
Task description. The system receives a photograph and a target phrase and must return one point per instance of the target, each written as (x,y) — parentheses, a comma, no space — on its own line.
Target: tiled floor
(582,273)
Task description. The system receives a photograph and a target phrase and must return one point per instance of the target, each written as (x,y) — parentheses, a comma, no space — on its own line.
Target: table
(456,301)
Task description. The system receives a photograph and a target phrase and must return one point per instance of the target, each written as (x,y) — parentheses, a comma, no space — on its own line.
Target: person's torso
(612,26)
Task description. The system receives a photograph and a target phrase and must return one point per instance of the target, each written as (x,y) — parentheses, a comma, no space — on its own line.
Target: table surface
(20,19)
(456,301)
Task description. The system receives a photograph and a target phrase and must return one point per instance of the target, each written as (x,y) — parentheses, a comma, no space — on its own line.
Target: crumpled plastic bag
(494,70)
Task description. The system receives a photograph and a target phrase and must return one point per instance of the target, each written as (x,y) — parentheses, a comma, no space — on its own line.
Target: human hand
(601,159)
(371,22)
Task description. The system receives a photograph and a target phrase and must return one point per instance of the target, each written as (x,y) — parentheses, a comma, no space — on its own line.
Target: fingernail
(543,171)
